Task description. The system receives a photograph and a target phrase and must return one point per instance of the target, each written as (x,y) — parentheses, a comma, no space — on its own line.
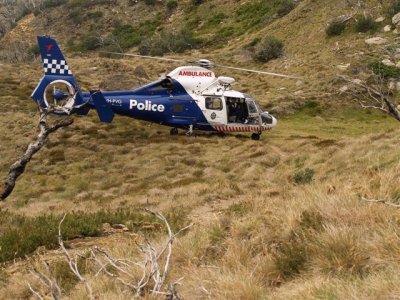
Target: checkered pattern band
(56,67)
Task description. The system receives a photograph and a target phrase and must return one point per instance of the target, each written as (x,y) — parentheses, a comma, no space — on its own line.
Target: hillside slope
(283,218)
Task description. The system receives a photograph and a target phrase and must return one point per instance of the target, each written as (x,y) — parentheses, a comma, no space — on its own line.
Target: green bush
(285,7)
(384,71)
(253,13)
(95,15)
(34,50)
(169,42)
(125,36)
(172,4)
(304,176)
(291,258)
(216,19)
(335,28)
(365,23)
(393,8)
(268,49)
(89,42)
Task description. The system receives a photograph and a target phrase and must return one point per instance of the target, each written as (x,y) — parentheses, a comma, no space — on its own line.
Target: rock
(398,107)
(380,20)
(388,62)
(391,85)
(298,92)
(376,41)
(344,89)
(299,83)
(357,81)
(398,86)
(120,227)
(107,229)
(396,31)
(387,28)
(396,19)
(398,64)
(343,67)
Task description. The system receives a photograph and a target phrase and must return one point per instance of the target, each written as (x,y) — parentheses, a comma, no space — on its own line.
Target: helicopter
(189,97)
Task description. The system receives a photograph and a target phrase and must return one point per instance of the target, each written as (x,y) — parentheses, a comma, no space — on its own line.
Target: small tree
(335,28)
(268,49)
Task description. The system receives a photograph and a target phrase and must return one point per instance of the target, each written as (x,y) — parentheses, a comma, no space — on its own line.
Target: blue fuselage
(171,107)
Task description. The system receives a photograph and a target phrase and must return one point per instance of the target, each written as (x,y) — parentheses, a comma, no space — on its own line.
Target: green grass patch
(20,235)
(385,71)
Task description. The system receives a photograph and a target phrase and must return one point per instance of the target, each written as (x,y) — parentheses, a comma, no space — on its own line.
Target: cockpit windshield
(251,105)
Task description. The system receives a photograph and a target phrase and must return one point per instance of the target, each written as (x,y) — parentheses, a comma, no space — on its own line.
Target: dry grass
(257,234)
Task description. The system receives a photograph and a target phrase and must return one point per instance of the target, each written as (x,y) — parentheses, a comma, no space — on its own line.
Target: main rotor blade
(144,56)
(258,72)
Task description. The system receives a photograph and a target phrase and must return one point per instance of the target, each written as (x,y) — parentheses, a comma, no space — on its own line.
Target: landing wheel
(255,136)
(173,131)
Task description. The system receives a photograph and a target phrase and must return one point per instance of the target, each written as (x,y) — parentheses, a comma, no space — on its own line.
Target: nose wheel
(255,136)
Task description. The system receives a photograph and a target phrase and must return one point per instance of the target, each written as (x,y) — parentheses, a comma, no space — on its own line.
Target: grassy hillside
(281,218)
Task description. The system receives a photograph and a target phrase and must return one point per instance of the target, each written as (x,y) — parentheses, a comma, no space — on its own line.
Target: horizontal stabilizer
(104,110)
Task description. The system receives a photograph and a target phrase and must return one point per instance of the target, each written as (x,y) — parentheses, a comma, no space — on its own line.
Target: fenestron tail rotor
(205,63)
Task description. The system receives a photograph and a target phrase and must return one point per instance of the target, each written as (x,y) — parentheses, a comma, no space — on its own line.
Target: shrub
(291,258)
(197,2)
(172,4)
(34,50)
(95,15)
(89,42)
(268,49)
(125,36)
(304,176)
(384,71)
(285,7)
(150,2)
(365,23)
(335,28)
(169,42)
(393,8)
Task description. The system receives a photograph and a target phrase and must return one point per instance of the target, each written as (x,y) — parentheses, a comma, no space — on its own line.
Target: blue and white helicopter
(189,97)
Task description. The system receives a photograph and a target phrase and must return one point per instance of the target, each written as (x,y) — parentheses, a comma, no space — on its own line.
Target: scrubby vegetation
(393,8)
(20,236)
(268,49)
(365,23)
(336,27)
(385,71)
(169,42)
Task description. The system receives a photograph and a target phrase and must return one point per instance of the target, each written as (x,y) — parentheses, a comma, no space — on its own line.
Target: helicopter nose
(274,121)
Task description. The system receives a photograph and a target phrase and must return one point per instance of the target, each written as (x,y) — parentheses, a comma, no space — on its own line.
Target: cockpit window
(213,103)
(251,105)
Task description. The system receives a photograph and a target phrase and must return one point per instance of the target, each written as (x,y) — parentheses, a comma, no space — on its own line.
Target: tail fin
(57,70)
(53,60)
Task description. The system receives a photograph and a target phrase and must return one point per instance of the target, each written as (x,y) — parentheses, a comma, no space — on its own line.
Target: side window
(213,103)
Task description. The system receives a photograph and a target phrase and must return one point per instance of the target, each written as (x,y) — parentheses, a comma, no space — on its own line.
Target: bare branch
(18,168)
(35,292)
(73,263)
(381,201)
(376,97)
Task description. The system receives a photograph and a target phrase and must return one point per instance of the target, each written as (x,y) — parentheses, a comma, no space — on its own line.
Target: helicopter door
(215,111)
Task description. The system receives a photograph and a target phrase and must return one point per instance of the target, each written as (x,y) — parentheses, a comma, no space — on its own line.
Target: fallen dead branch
(18,168)
(152,268)
(390,203)
(371,96)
